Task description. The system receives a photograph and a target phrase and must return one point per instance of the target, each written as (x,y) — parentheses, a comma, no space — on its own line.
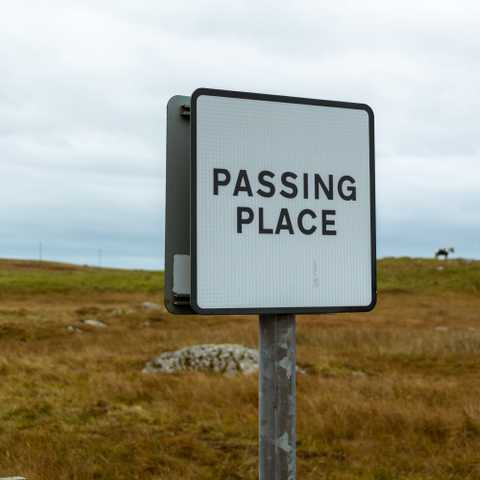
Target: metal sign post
(270,211)
(277,403)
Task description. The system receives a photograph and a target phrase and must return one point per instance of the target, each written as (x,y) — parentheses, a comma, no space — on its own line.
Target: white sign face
(282,204)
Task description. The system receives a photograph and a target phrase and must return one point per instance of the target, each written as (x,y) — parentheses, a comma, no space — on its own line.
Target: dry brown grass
(393,394)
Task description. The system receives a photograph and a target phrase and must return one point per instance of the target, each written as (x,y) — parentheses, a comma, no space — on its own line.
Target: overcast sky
(84,87)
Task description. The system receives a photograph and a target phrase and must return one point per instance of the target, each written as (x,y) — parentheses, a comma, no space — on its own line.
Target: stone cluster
(227,359)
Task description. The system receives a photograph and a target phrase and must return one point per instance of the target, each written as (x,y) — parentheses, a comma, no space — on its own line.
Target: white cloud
(84,87)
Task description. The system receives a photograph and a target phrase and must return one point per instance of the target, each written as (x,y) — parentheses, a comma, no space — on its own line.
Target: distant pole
(40,251)
(100,257)
(277,403)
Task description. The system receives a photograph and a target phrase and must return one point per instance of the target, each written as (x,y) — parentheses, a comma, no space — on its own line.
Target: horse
(443,252)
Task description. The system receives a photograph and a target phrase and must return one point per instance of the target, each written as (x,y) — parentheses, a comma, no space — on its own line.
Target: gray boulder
(228,359)
(94,323)
(72,329)
(151,306)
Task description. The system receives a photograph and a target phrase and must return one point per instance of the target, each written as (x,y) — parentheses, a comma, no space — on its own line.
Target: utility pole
(40,251)
(100,257)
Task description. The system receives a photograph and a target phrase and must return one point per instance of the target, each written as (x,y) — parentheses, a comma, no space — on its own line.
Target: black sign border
(193,202)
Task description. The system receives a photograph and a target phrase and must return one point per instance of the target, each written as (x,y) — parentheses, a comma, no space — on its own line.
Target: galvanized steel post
(277,415)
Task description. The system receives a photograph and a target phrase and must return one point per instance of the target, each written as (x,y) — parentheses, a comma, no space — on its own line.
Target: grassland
(392,394)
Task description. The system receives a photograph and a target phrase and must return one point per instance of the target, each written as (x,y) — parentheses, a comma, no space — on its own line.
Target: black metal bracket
(185,111)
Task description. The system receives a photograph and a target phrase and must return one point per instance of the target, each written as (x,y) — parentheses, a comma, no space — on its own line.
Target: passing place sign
(283,204)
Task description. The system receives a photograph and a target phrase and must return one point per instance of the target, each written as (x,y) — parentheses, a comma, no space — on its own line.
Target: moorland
(390,394)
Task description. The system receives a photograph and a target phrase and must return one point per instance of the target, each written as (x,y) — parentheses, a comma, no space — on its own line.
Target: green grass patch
(420,275)
(395,276)
(25,277)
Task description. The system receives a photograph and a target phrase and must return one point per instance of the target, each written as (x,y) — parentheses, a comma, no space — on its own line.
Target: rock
(94,323)
(151,306)
(441,329)
(13,478)
(72,329)
(440,268)
(228,359)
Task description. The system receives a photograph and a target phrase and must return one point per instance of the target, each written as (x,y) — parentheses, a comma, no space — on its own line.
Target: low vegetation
(388,395)
(20,278)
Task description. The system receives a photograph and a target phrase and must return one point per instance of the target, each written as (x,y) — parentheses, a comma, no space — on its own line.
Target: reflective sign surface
(283,200)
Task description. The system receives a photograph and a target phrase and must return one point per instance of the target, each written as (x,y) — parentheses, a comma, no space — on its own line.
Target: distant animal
(443,252)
